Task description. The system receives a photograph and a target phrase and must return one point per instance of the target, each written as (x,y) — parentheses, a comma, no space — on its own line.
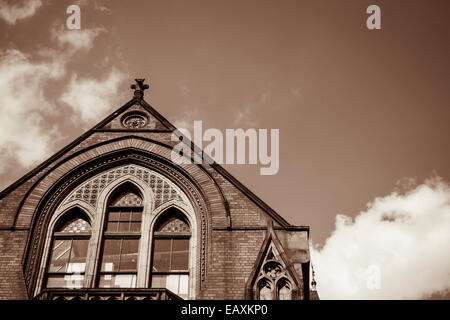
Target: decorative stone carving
(163,189)
(273,281)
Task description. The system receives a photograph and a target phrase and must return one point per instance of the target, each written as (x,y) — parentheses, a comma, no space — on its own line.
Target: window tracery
(273,280)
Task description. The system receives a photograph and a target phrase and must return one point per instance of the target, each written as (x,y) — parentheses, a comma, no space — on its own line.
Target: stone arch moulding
(59,190)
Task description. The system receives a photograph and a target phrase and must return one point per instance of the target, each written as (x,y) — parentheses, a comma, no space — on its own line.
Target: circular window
(134,120)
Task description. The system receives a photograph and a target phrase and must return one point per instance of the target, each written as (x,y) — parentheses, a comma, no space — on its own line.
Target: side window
(170,262)
(67,263)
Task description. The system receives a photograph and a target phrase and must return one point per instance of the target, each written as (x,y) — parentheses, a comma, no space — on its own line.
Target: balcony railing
(107,294)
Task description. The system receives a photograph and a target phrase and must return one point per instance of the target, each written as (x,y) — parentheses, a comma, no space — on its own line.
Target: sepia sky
(363,114)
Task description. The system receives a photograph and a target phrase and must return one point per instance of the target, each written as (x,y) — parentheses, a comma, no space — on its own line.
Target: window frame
(68,216)
(112,235)
(166,214)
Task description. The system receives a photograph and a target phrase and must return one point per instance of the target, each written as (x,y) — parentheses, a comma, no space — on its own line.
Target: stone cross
(139,88)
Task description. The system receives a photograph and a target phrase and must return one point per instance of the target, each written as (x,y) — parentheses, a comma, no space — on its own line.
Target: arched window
(284,290)
(170,262)
(120,243)
(265,290)
(67,263)
(273,280)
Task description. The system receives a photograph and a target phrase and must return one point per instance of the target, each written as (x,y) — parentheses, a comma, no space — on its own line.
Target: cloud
(24,138)
(94,4)
(12,13)
(28,130)
(76,39)
(396,249)
(90,98)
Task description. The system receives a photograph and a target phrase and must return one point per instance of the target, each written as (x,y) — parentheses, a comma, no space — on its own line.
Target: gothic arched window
(67,263)
(273,280)
(170,261)
(265,291)
(120,243)
(284,290)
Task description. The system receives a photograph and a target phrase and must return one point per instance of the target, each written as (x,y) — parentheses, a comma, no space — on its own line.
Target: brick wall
(232,253)
(12,285)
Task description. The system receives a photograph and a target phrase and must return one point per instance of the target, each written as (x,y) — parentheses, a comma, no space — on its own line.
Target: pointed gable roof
(156,123)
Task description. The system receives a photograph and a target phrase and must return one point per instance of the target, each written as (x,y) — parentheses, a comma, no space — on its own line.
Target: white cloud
(94,4)
(76,39)
(23,138)
(26,135)
(12,13)
(404,236)
(92,98)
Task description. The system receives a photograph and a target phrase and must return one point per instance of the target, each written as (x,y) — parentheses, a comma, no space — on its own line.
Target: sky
(363,114)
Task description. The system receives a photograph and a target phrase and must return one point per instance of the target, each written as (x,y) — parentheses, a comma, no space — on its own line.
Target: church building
(111,216)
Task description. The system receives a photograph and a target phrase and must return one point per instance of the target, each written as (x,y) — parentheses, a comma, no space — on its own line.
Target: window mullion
(120,253)
(170,255)
(70,254)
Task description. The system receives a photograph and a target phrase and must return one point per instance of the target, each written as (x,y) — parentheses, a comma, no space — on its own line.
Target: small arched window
(120,243)
(67,263)
(284,290)
(170,262)
(265,291)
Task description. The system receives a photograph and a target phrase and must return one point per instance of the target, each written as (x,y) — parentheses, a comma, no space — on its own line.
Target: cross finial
(139,88)
(313,283)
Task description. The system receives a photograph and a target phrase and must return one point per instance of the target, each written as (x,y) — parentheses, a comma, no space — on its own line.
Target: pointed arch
(64,214)
(272,266)
(128,180)
(284,289)
(172,264)
(68,250)
(121,237)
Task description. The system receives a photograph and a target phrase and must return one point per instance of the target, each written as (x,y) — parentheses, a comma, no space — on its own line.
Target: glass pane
(161,255)
(55,281)
(158,281)
(265,291)
(128,259)
(114,216)
(125,216)
(135,226)
(111,255)
(60,255)
(284,293)
(112,226)
(177,283)
(124,226)
(136,216)
(184,285)
(173,282)
(180,255)
(78,255)
(117,281)
(65,281)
